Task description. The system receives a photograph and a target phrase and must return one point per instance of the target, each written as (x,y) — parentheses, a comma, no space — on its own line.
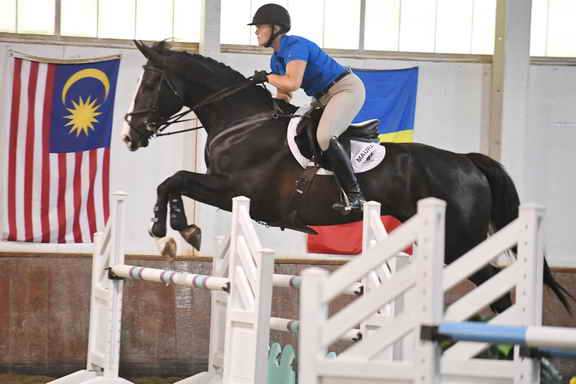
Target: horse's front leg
(208,189)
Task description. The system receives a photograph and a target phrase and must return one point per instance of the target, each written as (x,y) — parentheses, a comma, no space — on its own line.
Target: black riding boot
(340,162)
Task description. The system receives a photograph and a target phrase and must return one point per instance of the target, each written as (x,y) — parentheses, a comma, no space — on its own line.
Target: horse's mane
(221,71)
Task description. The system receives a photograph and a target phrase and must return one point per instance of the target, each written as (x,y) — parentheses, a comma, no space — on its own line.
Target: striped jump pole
(293,281)
(169,277)
(192,280)
(293,327)
(554,341)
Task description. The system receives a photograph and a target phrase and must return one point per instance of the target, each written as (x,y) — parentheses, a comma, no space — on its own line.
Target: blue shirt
(321,69)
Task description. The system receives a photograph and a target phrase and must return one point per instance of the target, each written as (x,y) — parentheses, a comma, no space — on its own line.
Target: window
(154,19)
(342,24)
(308,19)
(440,26)
(483,27)
(553,28)
(8,16)
(116,19)
(417,26)
(79,18)
(125,19)
(234,16)
(187,20)
(454,24)
(561,28)
(382,25)
(329,23)
(465,26)
(539,25)
(35,16)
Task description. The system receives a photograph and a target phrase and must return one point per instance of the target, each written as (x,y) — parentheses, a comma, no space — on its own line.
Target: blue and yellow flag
(391,98)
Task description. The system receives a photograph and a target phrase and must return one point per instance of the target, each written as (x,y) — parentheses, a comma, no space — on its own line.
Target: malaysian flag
(55,129)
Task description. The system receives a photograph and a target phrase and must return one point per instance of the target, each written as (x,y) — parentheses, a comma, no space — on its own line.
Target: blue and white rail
(550,341)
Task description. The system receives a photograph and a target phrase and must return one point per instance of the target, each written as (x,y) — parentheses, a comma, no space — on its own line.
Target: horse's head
(160,94)
(173,79)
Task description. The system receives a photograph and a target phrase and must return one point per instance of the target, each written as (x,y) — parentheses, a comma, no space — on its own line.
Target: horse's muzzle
(134,145)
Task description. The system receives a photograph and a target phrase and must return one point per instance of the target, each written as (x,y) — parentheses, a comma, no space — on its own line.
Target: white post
(210,28)
(311,321)
(530,284)
(103,358)
(219,303)
(249,304)
(429,308)
(372,227)
(115,287)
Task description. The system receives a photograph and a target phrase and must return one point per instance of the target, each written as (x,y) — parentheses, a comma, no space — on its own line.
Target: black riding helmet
(273,14)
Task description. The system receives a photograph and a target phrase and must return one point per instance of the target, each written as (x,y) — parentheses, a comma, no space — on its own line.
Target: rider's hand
(260,77)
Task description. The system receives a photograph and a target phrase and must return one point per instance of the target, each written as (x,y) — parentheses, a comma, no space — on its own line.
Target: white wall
(451,113)
(550,158)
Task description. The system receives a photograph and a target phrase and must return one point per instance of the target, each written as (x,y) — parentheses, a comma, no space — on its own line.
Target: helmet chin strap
(273,36)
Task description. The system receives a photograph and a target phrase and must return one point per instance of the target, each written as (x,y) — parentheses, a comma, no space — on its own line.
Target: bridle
(154,128)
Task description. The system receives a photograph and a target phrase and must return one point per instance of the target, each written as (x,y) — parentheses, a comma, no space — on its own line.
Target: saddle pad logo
(365,153)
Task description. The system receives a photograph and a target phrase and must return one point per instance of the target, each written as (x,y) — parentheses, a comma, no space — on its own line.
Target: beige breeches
(342,103)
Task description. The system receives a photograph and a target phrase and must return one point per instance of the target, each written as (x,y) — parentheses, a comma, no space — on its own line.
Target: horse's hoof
(193,236)
(156,230)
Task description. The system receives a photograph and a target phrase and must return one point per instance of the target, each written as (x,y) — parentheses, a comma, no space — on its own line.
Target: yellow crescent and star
(84,111)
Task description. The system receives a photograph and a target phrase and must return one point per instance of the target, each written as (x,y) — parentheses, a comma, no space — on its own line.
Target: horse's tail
(505,204)
(505,199)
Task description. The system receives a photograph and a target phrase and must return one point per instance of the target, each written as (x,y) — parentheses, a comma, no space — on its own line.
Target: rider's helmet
(273,14)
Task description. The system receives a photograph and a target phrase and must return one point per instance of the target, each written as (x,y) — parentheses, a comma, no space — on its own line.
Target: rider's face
(263,32)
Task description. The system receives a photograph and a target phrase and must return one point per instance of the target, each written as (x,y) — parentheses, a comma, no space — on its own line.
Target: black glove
(260,77)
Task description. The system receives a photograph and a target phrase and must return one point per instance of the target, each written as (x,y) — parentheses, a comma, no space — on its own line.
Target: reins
(217,96)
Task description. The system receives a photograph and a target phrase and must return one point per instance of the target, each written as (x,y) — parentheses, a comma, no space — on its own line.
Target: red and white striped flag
(55,129)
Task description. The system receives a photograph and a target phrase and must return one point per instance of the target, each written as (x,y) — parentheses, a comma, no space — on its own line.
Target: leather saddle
(366,131)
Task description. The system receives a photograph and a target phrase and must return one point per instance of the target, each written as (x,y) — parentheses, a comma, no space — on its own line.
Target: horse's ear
(149,53)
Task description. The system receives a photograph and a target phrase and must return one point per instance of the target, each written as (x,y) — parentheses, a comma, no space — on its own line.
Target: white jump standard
(247,311)
(424,319)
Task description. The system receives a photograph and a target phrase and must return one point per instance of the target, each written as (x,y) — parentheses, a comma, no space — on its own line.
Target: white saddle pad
(364,156)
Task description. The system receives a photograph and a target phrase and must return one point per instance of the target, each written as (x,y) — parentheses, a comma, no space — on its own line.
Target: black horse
(247,154)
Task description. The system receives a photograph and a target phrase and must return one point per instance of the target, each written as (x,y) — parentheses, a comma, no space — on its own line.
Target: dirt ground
(23,379)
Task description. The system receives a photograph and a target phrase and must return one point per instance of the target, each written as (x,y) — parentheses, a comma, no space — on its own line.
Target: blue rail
(539,341)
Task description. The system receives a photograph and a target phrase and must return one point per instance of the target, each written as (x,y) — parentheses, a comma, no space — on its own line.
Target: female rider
(300,63)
